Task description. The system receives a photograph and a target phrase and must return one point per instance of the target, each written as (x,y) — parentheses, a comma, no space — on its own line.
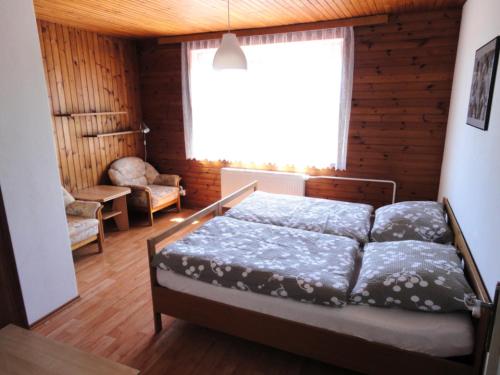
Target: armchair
(84,221)
(151,191)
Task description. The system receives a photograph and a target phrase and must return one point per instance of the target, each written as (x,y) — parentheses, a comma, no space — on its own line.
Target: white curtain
(292,106)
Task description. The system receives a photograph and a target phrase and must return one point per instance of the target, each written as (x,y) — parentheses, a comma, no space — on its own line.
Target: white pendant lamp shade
(229,55)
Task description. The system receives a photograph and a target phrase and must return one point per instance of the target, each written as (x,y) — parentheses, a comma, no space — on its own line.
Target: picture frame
(483,84)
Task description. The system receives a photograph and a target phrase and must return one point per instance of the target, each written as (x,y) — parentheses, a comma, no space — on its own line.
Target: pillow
(151,173)
(68,198)
(413,275)
(423,221)
(128,171)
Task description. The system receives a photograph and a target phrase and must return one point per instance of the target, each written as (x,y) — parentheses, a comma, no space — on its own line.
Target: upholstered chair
(84,221)
(151,191)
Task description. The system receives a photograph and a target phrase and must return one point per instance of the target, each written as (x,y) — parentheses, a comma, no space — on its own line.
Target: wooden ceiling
(151,18)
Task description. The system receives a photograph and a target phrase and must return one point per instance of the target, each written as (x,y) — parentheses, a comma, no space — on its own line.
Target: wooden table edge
(11,335)
(80,195)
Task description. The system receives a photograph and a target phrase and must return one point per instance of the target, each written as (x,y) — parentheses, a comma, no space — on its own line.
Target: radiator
(272,182)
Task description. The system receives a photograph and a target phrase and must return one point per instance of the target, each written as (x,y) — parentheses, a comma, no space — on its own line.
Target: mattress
(440,335)
(313,214)
(267,259)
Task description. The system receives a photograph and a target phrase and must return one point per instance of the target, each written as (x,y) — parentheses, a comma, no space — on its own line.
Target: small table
(26,352)
(107,193)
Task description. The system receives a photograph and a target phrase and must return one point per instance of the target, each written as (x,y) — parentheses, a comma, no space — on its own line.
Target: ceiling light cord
(228,18)
(229,54)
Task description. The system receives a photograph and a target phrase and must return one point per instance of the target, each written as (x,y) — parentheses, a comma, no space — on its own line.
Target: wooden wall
(402,83)
(89,72)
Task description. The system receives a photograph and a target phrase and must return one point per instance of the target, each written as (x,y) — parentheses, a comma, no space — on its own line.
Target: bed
(397,341)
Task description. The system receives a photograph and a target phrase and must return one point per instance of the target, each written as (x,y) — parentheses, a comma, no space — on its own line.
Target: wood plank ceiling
(150,18)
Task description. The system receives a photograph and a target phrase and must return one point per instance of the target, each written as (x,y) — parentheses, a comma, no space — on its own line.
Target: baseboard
(60,308)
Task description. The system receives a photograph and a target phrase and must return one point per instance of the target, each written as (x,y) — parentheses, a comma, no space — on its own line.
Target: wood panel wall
(402,85)
(89,72)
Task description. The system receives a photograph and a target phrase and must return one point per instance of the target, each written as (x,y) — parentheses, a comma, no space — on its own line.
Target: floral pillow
(420,220)
(413,275)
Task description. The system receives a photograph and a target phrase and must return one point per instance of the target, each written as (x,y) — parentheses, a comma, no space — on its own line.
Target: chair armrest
(146,190)
(85,209)
(140,188)
(167,180)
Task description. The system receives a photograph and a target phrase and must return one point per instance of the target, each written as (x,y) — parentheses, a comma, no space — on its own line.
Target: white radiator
(272,182)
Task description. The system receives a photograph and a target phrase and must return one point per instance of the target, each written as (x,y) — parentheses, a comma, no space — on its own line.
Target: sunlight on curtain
(284,110)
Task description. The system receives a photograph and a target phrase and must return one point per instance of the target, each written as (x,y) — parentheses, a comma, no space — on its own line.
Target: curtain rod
(357,21)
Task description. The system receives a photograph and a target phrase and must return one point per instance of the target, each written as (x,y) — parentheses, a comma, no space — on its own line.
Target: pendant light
(229,55)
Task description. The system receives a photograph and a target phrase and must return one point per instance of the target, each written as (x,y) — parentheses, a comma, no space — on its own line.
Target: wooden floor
(113,318)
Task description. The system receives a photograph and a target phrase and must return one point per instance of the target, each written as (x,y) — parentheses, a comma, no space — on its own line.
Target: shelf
(109,214)
(92,114)
(102,135)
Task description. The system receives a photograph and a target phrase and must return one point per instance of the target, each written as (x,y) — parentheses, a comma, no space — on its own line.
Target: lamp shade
(229,55)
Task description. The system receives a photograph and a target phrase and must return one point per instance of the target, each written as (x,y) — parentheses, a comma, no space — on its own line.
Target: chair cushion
(128,171)
(81,228)
(151,173)
(160,195)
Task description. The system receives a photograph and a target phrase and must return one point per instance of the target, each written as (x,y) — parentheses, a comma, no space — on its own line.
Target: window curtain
(344,35)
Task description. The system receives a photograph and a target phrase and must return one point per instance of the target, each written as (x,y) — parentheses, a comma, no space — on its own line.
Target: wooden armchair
(151,191)
(84,222)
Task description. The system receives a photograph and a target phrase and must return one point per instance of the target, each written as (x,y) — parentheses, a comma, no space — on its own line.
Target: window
(284,110)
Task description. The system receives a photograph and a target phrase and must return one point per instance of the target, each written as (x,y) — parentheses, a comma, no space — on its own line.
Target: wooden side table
(25,352)
(108,193)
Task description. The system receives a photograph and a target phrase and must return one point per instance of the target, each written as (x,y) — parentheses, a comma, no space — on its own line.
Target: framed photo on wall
(483,82)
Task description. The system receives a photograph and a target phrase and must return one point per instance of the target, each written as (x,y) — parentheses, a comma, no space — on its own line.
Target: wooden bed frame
(334,348)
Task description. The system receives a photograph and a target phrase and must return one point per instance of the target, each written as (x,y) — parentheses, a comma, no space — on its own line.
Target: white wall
(28,168)
(470,177)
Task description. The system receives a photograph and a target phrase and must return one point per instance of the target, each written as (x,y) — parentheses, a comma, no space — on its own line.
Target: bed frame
(334,348)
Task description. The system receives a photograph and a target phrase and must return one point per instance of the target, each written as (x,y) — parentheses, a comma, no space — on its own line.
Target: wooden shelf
(102,135)
(92,114)
(109,214)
